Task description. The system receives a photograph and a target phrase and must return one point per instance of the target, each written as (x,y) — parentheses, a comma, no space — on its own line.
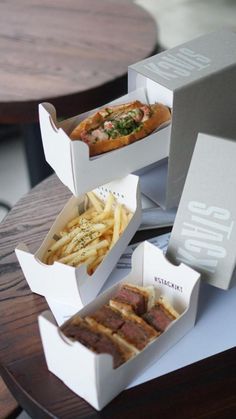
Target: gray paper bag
(204,232)
(198,81)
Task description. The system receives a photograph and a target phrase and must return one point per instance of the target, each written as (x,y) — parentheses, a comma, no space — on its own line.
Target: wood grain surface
(203,390)
(59,51)
(8,405)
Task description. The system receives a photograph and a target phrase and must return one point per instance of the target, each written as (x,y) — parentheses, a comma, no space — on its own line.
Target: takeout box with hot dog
(84,243)
(195,80)
(80,343)
(71,159)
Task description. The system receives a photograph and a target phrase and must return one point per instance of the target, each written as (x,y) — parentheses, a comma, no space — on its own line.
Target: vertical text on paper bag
(205,236)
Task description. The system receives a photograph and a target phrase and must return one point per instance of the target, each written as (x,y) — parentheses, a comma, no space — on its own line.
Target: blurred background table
(180,21)
(74,54)
(205,389)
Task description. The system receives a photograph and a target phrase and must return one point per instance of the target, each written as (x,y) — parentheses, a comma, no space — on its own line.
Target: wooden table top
(205,389)
(73,53)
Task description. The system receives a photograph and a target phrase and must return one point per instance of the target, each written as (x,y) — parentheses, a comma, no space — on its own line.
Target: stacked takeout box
(196,81)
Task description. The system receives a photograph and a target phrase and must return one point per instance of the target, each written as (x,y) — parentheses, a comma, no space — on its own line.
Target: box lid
(184,64)
(204,233)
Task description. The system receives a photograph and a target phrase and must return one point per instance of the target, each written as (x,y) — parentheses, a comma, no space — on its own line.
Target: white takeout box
(67,284)
(92,376)
(70,159)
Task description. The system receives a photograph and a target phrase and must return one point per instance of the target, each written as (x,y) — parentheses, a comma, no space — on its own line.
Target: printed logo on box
(205,236)
(181,64)
(168,283)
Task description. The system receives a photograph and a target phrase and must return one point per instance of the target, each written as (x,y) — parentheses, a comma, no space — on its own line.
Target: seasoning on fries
(87,238)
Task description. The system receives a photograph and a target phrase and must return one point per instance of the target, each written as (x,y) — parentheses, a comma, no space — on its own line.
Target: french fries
(87,238)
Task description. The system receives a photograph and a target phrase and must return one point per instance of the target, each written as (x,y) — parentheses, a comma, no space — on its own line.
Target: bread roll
(116,126)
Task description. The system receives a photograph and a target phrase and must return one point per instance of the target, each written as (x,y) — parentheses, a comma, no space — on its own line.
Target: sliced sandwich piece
(129,327)
(116,336)
(161,315)
(136,331)
(99,342)
(107,317)
(133,298)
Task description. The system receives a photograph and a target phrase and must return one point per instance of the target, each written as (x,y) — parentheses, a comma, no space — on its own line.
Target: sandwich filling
(133,329)
(108,317)
(158,317)
(113,124)
(132,297)
(96,341)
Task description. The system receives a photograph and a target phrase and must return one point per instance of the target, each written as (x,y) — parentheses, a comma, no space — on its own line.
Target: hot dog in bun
(116,126)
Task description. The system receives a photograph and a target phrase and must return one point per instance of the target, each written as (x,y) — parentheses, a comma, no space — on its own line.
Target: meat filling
(98,342)
(158,317)
(108,318)
(136,300)
(135,334)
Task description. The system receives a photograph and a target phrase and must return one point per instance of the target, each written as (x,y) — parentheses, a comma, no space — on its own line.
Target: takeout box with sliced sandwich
(71,160)
(196,80)
(99,377)
(70,265)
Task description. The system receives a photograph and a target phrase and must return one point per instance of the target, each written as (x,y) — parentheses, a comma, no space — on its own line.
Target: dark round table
(74,54)
(205,389)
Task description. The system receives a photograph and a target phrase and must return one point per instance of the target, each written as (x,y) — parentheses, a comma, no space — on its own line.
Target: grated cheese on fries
(87,238)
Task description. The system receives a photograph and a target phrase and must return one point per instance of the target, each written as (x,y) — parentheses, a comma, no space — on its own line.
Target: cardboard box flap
(52,275)
(170,276)
(50,130)
(82,368)
(204,232)
(85,367)
(80,287)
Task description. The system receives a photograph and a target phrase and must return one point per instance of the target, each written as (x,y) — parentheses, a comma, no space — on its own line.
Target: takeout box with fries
(95,376)
(84,243)
(71,161)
